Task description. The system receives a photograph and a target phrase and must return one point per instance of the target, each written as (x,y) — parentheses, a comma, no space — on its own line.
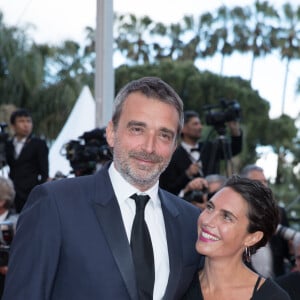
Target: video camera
(218,115)
(89,150)
(287,233)
(196,196)
(3,141)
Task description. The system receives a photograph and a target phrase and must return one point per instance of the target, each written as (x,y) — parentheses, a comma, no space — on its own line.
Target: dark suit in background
(174,178)
(280,247)
(291,284)
(75,244)
(28,169)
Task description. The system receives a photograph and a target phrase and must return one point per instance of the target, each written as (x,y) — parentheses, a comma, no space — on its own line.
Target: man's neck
(190,142)
(20,137)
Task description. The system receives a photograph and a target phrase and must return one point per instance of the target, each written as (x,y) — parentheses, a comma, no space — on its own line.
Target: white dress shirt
(194,155)
(155,222)
(18,145)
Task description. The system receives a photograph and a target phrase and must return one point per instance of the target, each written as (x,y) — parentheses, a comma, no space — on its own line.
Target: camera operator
(7,224)
(189,163)
(270,259)
(89,153)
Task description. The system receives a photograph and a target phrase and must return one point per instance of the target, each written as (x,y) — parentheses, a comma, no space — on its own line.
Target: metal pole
(104,74)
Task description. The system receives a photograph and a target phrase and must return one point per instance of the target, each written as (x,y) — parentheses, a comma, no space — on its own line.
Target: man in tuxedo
(27,157)
(77,237)
(194,159)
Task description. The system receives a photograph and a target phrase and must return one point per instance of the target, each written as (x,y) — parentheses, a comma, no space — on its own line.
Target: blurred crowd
(193,174)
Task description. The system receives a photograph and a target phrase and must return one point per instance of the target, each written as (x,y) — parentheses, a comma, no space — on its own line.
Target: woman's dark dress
(268,290)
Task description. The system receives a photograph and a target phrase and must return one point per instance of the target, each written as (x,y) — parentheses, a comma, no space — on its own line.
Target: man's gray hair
(151,87)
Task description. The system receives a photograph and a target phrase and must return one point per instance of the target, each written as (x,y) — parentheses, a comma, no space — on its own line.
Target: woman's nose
(209,220)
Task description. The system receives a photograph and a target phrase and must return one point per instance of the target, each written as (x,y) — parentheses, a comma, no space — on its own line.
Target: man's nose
(149,143)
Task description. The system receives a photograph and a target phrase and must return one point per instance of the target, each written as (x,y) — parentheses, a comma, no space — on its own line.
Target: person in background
(189,164)
(296,245)
(8,221)
(214,183)
(291,281)
(269,260)
(85,232)
(27,157)
(238,220)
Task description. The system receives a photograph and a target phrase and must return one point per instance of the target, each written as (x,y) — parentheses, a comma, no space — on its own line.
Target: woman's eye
(209,207)
(227,217)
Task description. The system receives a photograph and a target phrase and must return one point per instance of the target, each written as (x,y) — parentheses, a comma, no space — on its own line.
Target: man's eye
(136,129)
(166,136)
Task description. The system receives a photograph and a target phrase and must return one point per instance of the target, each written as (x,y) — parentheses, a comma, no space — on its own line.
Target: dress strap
(256,285)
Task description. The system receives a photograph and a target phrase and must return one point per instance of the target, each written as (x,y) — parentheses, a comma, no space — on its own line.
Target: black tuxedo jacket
(71,244)
(174,178)
(30,168)
(291,284)
(280,246)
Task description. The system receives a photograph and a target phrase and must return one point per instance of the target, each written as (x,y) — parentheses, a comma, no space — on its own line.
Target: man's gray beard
(135,179)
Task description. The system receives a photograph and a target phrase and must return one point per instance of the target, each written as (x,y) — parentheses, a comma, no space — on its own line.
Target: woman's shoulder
(270,290)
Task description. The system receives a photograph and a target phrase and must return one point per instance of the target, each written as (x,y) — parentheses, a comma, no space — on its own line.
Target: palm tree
(132,34)
(196,31)
(44,79)
(289,40)
(222,34)
(254,30)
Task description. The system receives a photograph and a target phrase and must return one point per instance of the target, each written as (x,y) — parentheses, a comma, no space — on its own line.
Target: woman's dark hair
(263,213)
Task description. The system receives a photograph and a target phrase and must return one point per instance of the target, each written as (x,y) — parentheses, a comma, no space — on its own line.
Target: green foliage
(44,79)
(201,88)
(48,79)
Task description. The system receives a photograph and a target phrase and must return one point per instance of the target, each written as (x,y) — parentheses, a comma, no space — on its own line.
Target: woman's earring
(248,254)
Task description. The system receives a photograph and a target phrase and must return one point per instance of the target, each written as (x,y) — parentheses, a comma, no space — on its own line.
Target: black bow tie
(195,149)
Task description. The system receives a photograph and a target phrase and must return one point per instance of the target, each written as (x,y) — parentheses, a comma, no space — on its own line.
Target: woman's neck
(220,272)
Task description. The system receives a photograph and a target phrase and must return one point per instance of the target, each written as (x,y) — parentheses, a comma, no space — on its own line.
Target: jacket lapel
(109,216)
(171,213)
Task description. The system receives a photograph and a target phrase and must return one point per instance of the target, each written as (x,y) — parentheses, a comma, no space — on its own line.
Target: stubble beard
(140,176)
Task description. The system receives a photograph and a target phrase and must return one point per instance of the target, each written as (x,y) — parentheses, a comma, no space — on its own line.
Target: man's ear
(110,134)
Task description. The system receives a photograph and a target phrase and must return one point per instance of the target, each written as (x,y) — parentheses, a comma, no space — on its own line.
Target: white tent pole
(104,75)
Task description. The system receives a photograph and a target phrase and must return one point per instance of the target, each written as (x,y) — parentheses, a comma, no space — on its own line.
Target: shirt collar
(188,147)
(21,141)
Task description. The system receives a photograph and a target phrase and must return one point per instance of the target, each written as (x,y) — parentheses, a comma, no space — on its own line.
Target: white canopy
(81,119)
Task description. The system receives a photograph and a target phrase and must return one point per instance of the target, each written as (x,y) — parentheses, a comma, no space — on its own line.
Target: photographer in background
(7,217)
(27,157)
(270,259)
(291,281)
(89,153)
(189,163)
